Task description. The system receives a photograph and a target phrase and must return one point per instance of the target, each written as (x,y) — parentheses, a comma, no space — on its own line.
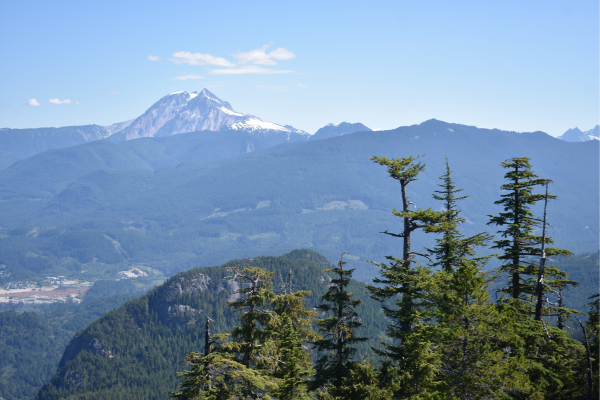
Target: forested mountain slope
(326,195)
(33,339)
(135,351)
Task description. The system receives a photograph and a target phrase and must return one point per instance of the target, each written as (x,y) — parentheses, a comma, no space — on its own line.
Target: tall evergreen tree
(518,240)
(554,357)
(242,362)
(339,330)
(292,372)
(474,339)
(398,274)
(453,247)
(254,303)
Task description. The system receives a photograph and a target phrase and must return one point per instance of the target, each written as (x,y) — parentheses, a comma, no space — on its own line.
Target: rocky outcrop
(79,344)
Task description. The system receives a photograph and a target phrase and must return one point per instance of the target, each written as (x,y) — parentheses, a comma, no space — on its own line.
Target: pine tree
(219,376)
(339,330)
(591,334)
(241,363)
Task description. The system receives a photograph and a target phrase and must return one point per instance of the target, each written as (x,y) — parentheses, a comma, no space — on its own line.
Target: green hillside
(33,339)
(135,351)
(325,195)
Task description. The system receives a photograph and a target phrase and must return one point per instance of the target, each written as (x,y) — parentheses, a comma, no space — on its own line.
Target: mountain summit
(576,135)
(344,128)
(181,112)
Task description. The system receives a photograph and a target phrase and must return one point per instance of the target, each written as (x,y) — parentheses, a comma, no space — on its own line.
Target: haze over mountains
(248,187)
(176,113)
(203,184)
(200,198)
(183,112)
(576,135)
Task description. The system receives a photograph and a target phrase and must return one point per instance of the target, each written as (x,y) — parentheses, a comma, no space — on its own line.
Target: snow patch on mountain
(181,112)
(256,124)
(576,135)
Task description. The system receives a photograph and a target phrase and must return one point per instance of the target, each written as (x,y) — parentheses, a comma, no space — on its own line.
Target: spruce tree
(338,330)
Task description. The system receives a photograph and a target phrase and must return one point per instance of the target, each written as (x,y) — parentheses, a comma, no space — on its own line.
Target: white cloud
(33,102)
(78,103)
(302,86)
(114,93)
(153,58)
(58,101)
(250,69)
(261,57)
(186,77)
(185,57)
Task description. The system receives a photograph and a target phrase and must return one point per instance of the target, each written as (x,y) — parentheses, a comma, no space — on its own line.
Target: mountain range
(90,202)
(176,113)
(199,198)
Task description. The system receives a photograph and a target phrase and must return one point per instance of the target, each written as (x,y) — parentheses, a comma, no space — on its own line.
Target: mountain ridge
(576,135)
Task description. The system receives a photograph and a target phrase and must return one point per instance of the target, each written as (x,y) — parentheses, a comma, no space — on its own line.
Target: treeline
(447,338)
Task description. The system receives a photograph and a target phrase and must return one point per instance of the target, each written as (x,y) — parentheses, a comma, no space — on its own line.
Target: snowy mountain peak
(181,112)
(576,135)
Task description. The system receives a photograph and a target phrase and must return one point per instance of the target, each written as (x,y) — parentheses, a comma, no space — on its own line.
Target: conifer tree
(253,333)
(241,363)
(219,376)
(474,339)
(518,240)
(453,247)
(292,371)
(363,382)
(339,330)
(398,275)
(554,357)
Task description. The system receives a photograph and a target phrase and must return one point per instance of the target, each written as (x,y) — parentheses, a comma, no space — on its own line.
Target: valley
(91,225)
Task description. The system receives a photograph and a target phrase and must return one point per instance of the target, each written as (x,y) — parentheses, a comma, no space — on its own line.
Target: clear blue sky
(511,65)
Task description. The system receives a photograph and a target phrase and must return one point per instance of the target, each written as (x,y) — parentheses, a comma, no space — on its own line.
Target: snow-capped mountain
(576,135)
(181,112)
(332,130)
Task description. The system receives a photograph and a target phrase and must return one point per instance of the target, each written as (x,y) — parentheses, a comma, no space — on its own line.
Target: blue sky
(520,66)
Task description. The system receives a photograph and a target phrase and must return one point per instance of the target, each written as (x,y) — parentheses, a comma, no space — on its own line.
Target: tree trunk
(406,326)
(589,361)
(540,283)
(516,259)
